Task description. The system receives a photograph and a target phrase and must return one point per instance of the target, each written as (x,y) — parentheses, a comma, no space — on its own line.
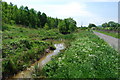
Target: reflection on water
(28,73)
(48,57)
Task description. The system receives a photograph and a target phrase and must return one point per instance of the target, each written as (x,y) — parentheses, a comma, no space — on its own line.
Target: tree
(56,23)
(104,25)
(26,15)
(39,19)
(91,25)
(71,27)
(112,24)
(43,19)
(67,25)
(33,19)
(62,27)
(21,15)
(46,26)
(4,12)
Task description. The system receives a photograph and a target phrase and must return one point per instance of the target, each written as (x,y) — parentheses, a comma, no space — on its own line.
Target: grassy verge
(87,57)
(109,34)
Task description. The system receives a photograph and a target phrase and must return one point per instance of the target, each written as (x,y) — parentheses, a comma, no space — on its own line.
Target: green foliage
(67,25)
(39,19)
(24,51)
(72,27)
(105,25)
(112,24)
(51,22)
(5,27)
(33,19)
(46,26)
(83,28)
(62,27)
(23,46)
(22,15)
(88,56)
(43,19)
(91,25)
(111,28)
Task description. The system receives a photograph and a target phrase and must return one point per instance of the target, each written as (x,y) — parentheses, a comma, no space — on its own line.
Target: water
(28,73)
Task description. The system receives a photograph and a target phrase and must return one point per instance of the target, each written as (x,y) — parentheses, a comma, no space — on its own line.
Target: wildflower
(98,46)
(28,69)
(91,55)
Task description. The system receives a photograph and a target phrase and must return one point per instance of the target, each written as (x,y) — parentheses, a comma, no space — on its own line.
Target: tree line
(107,26)
(110,26)
(31,18)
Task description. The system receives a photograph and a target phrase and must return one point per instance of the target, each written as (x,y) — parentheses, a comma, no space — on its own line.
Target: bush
(5,27)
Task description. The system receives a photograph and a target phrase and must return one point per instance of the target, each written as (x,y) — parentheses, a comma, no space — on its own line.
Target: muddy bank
(44,60)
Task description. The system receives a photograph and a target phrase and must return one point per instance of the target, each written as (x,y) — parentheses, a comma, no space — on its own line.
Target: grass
(88,56)
(116,35)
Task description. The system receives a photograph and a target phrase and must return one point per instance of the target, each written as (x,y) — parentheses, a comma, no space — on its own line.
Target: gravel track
(110,40)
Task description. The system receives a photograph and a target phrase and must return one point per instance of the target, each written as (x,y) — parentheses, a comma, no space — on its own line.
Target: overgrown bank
(87,57)
(23,46)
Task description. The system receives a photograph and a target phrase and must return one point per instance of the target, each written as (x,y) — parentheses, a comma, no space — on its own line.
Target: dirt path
(110,40)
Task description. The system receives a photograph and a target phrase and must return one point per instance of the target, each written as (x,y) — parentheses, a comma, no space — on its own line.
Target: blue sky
(84,12)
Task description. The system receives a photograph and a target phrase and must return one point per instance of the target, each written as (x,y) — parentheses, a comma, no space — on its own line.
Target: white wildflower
(91,55)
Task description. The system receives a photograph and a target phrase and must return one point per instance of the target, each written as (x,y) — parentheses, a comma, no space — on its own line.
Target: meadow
(87,57)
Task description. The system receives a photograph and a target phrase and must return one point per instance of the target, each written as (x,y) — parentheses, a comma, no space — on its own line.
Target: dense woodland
(31,18)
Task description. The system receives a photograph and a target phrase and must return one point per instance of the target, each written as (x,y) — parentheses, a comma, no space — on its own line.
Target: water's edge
(41,63)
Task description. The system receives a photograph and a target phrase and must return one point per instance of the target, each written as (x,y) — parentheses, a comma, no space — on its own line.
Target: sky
(83,11)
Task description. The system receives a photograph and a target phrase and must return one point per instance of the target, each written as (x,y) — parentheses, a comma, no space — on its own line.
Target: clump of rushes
(87,57)
(37,71)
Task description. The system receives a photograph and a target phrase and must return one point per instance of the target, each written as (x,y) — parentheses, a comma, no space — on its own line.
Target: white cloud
(72,9)
(65,10)
(103,0)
